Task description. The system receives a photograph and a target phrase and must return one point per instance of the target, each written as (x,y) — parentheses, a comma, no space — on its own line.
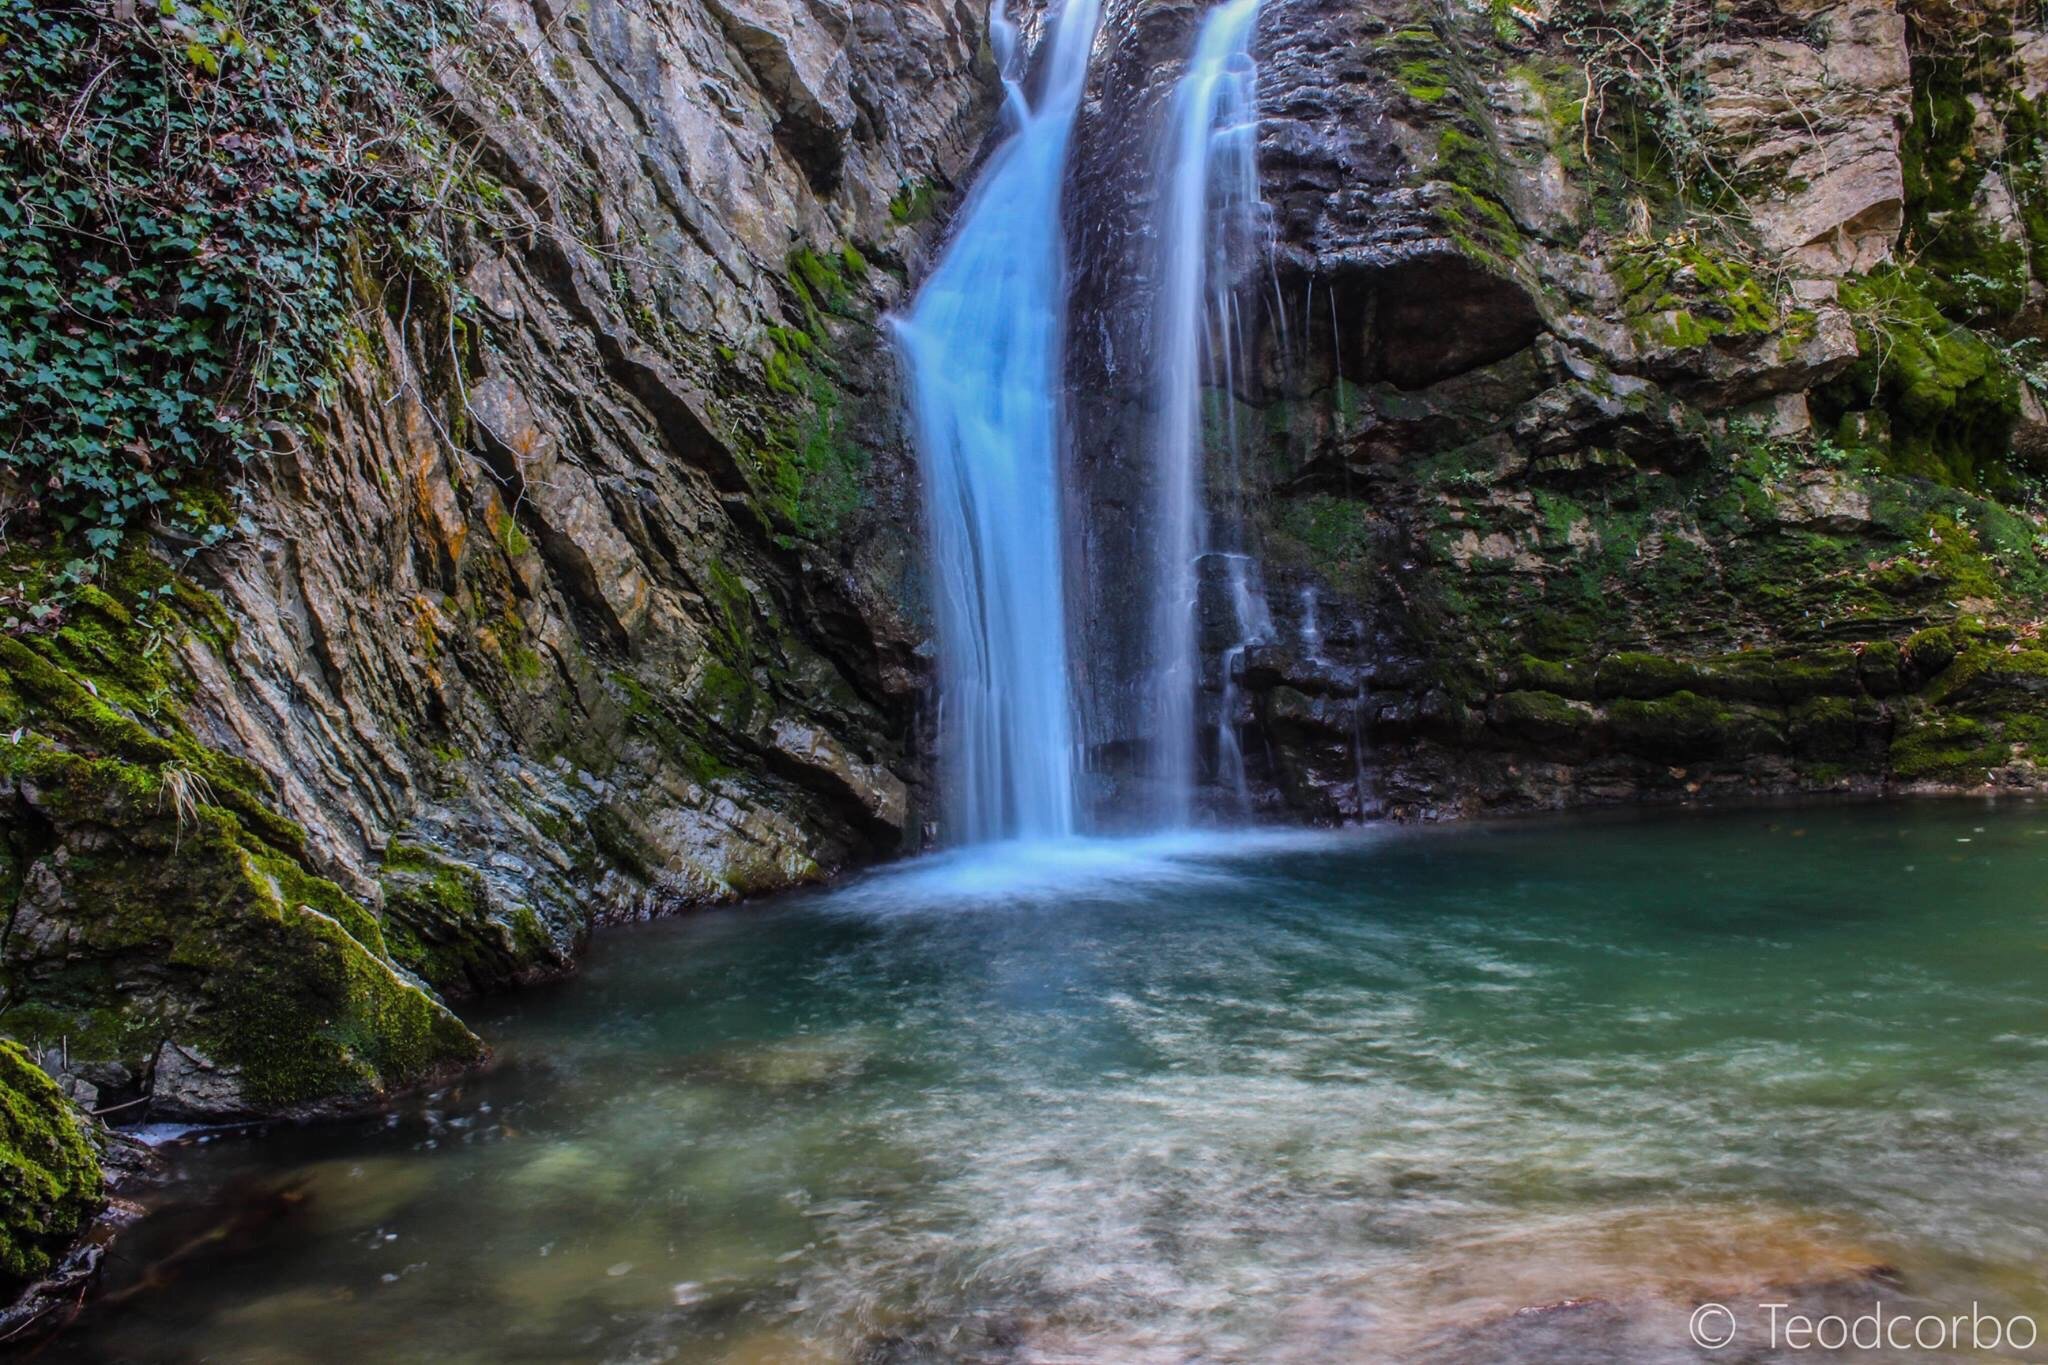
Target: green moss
(1421,62)
(183,925)
(505,530)
(523,663)
(1684,294)
(813,471)
(1644,676)
(1992,679)
(94,684)
(1575,680)
(442,924)
(1950,396)
(190,914)
(727,695)
(1973,273)
(915,202)
(49,1173)
(1424,80)
(789,350)
(1956,750)
(1561,87)
(1542,718)
(1330,530)
(1685,727)
(1783,677)
(824,284)
(683,735)
(1930,651)
(1472,201)
(619,838)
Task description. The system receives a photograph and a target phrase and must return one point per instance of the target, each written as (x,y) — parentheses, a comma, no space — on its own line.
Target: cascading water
(983,350)
(1210,213)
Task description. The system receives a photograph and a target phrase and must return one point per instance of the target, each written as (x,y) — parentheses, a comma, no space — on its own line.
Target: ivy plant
(187,188)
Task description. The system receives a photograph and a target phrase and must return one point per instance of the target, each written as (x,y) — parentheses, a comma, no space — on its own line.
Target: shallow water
(1278,1098)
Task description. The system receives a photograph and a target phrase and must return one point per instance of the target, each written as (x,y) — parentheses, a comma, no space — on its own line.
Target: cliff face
(591,592)
(624,547)
(1639,410)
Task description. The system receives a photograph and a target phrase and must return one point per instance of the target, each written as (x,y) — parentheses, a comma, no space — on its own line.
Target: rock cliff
(588,590)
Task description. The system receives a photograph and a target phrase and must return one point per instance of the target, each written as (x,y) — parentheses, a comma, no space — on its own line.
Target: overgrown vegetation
(190,188)
(1949,393)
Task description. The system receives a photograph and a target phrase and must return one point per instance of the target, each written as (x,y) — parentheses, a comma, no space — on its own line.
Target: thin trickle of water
(1211,212)
(1337,352)
(983,350)
(1254,626)
(1359,715)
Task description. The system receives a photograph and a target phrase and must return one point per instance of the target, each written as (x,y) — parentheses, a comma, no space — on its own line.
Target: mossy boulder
(1645,677)
(1832,727)
(49,1173)
(1950,394)
(1686,726)
(1948,750)
(145,925)
(1681,294)
(1568,679)
(1784,677)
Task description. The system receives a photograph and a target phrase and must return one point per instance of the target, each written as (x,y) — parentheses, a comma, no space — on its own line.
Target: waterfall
(1210,208)
(983,353)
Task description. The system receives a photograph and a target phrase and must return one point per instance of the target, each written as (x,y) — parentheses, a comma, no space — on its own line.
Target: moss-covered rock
(1950,394)
(1645,676)
(49,1173)
(1945,749)
(1685,726)
(163,921)
(1543,718)
(151,919)
(1682,294)
(442,922)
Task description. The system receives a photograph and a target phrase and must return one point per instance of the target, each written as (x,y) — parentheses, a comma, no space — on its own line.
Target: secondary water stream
(1210,216)
(1282,1098)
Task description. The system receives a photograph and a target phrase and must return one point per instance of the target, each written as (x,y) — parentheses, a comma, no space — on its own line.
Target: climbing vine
(1646,94)
(189,187)
(1642,96)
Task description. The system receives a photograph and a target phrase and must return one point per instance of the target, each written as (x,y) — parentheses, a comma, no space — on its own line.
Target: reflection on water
(1518,1092)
